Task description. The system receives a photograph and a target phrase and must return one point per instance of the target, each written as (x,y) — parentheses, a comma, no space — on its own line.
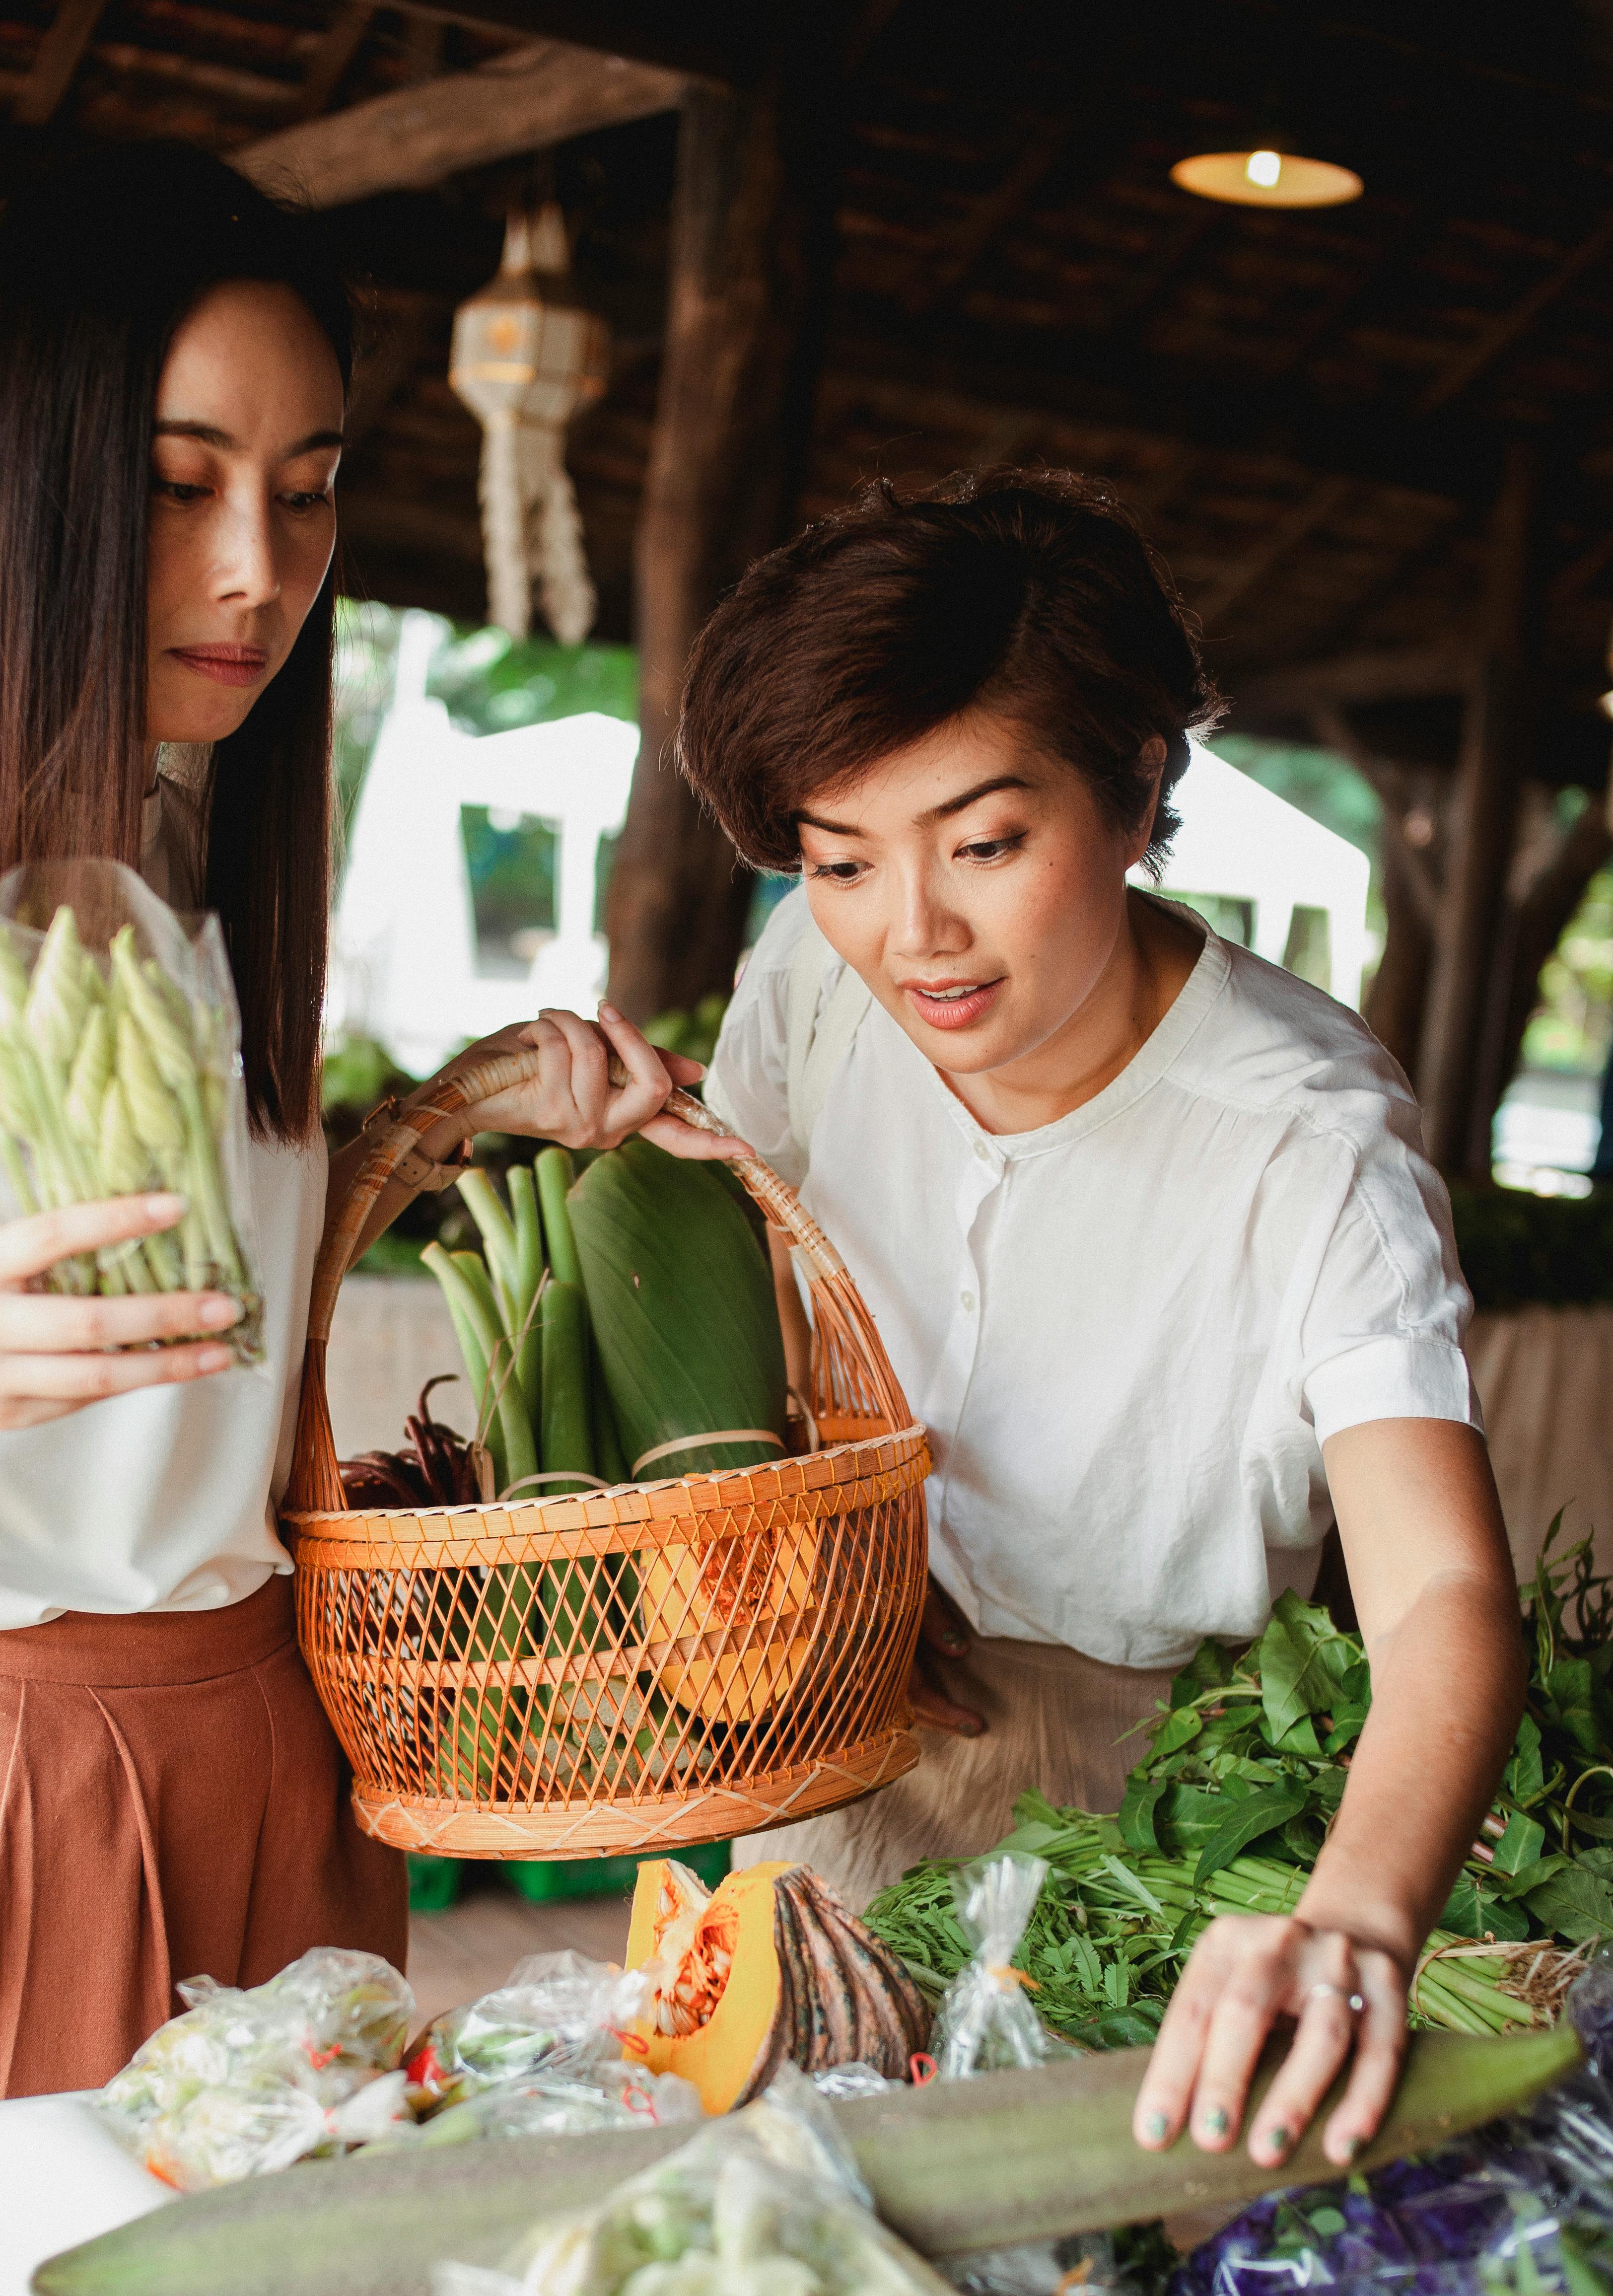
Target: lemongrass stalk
(498,1239)
(529,1283)
(476,1345)
(521,1448)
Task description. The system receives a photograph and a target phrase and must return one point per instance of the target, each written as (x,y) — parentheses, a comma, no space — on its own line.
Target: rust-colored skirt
(1055,1720)
(173,1804)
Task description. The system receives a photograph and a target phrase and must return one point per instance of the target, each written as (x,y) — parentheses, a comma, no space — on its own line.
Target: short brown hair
(1029,593)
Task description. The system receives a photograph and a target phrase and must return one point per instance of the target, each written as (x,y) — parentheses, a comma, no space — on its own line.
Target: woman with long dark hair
(175,353)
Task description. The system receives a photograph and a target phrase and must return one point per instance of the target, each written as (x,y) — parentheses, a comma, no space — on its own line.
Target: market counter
(64,2179)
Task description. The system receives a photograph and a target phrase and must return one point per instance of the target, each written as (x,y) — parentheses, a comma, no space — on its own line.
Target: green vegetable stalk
(112,1084)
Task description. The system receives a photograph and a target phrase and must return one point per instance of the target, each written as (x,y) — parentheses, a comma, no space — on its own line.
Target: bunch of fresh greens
(114,1080)
(1229,1807)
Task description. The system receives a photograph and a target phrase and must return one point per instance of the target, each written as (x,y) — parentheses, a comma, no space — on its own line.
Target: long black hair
(102,258)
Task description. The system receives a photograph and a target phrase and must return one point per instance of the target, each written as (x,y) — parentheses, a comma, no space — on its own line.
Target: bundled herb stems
(117,1077)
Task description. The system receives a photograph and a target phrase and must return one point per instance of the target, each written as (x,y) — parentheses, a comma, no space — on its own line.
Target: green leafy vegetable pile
(1228,1809)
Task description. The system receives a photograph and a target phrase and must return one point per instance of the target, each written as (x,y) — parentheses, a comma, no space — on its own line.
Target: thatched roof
(1309,408)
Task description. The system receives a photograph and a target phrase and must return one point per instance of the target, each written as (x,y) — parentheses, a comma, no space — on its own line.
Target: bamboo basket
(731,1649)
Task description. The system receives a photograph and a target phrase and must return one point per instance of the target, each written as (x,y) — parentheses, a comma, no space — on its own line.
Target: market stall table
(66,2179)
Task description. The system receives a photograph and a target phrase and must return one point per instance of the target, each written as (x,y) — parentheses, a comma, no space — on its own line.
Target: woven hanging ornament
(526,356)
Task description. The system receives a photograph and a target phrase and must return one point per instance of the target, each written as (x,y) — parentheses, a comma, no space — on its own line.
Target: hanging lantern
(1267,177)
(526,356)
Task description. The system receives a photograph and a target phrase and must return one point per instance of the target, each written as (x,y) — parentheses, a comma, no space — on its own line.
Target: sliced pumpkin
(769,1966)
(751,1593)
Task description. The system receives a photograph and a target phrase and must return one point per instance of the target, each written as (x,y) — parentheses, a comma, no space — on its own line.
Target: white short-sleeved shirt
(164,1499)
(1130,1332)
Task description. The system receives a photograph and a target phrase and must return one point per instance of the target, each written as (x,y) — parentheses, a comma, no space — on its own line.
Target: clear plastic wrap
(763,2203)
(986,2022)
(560,2016)
(1523,2208)
(621,2096)
(247,2082)
(120,1072)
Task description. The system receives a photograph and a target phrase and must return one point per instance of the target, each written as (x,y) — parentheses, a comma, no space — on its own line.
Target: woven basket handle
(471,1085)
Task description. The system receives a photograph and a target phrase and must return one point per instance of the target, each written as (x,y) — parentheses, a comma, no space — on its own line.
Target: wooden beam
(339,44)
(752,247)
(225,84)
(538,95)
(961,248)
(1248,573)
(1412,675)
(60,54)
(1489,770)
(1511,327)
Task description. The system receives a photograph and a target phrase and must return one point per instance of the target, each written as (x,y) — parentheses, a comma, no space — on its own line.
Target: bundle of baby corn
(114,1081)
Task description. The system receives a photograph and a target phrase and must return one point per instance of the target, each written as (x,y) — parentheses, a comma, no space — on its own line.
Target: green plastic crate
(433,1882)
(544,1879)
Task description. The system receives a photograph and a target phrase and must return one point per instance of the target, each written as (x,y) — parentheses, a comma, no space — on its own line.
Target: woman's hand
(572,1099)
(1247,1973)
(55,1353)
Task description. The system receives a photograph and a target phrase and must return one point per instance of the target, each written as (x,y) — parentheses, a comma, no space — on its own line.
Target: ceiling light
(1266,178)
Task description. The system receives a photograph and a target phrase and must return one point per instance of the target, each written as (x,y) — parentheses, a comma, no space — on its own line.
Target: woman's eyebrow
(211,435)
(968,797)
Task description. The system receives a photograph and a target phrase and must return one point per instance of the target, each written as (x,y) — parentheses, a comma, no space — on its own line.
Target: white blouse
(164,1499)
(1130,1332)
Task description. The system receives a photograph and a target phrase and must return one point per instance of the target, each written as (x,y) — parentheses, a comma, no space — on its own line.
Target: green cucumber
(960,2165)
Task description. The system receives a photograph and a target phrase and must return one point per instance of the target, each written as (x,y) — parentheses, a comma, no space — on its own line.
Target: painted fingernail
(1215,2122)
(214,1359)
(1156,2127)
(1276,2143)
(217,1313)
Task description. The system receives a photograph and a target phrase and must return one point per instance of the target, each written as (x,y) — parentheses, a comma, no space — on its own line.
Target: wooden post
(751,235)
(1490,766)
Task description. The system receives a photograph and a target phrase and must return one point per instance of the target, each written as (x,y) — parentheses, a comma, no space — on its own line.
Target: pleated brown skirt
(173,1804)
(1055,1720)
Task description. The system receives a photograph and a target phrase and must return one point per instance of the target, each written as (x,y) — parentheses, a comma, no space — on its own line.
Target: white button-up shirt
(1130,1332)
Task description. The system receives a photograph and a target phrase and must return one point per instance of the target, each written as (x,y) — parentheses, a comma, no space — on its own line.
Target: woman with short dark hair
(1146,1225)
(175,351)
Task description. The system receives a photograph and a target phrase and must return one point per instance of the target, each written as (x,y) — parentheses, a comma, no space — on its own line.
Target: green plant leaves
(1303,1661)
(1245,1822)
(1576,1903)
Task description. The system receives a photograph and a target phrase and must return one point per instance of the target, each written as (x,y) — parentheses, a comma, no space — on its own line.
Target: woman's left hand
(572,1099)
(1247,1973)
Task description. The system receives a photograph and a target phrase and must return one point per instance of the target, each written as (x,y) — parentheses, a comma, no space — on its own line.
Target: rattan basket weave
(732,1651)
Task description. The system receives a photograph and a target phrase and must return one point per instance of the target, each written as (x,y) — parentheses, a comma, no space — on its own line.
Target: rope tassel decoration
(525,358)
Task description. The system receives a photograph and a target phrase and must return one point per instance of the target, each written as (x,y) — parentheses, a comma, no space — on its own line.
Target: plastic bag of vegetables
(763,2203)
(120,1073)
(246,2081)
(986,2022)
(554,2035)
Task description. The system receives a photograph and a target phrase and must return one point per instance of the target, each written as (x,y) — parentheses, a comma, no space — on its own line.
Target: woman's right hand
(56,1351)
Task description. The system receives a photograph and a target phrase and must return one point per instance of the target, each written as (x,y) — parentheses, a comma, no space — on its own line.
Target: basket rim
(569,1511)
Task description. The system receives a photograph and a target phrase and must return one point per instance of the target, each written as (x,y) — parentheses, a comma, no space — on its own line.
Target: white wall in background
(405,966)
(1239,840)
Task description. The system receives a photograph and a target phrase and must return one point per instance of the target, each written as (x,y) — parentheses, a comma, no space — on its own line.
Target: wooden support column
(751,237)
(1490,768)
